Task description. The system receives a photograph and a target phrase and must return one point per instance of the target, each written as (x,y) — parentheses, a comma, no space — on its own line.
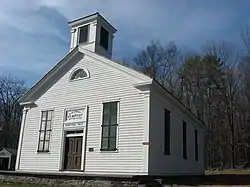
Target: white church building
(92,115)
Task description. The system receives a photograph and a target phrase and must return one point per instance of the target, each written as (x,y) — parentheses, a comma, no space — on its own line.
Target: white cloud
(26,18)
(40,39)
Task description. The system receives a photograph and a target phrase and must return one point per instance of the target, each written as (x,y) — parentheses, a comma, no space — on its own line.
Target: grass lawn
(228,172)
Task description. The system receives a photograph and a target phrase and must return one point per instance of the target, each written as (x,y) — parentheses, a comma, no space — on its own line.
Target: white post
(25,110)
(83,149)
(72,39)
(146,142)
(9,162)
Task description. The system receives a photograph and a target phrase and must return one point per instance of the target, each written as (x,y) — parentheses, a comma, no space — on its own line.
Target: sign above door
(76,115)
(75,118)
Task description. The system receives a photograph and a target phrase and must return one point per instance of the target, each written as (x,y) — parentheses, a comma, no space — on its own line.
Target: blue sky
(34,34)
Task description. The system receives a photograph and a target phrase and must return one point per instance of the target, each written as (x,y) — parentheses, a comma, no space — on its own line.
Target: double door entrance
(73,153)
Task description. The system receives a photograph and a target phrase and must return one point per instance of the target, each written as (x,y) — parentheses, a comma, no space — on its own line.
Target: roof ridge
(116,63)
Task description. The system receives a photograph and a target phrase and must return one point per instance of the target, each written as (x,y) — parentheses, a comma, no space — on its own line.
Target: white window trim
(40,123)
(117,129)
(75,135)
(72,73)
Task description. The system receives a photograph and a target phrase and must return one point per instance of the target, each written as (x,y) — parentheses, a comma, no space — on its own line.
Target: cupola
(93,33)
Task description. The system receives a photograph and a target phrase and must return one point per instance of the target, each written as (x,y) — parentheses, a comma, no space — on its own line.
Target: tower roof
(89,18)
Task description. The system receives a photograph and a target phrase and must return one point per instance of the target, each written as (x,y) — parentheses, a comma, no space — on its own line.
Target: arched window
(79,74)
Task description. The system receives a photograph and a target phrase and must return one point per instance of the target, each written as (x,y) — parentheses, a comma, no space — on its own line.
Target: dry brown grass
(228,172)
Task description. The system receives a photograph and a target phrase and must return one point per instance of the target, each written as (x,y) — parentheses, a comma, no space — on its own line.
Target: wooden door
(77,153)
(73,153)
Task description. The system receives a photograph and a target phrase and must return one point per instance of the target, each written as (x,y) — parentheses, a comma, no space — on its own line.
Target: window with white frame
(45,131)
(79,74)
(83,34)
(104,38)
(109,126)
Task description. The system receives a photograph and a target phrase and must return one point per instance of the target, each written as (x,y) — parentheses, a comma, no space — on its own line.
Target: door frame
(83,135)
(83,127)
(6,155)
(82,157)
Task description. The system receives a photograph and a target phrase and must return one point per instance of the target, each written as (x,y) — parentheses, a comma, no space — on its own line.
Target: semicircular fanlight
(79,74)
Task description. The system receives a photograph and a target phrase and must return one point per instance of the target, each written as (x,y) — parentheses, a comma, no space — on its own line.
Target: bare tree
(170,68)
(162,64)
(229,86)
(148,60)
(11,89)
(215,87)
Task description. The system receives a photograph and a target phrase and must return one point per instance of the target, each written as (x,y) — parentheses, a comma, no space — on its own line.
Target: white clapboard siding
(160,164)
(105,84)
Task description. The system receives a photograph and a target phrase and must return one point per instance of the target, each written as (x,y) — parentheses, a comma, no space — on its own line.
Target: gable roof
(27,97)
(7,152)
(77,53)
(54,74)
(12,151)
(129,71)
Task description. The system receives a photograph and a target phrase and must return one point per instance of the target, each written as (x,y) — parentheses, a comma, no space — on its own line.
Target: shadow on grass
(222,179)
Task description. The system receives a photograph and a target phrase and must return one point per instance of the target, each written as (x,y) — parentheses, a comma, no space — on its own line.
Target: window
(167,133)
(196,145)
(83,34)
(104,41)
(79,74)
(45,131)
(184,140)
(109,126)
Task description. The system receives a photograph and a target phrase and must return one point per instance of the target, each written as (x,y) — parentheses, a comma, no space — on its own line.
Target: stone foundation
(80,180)
(77,182)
